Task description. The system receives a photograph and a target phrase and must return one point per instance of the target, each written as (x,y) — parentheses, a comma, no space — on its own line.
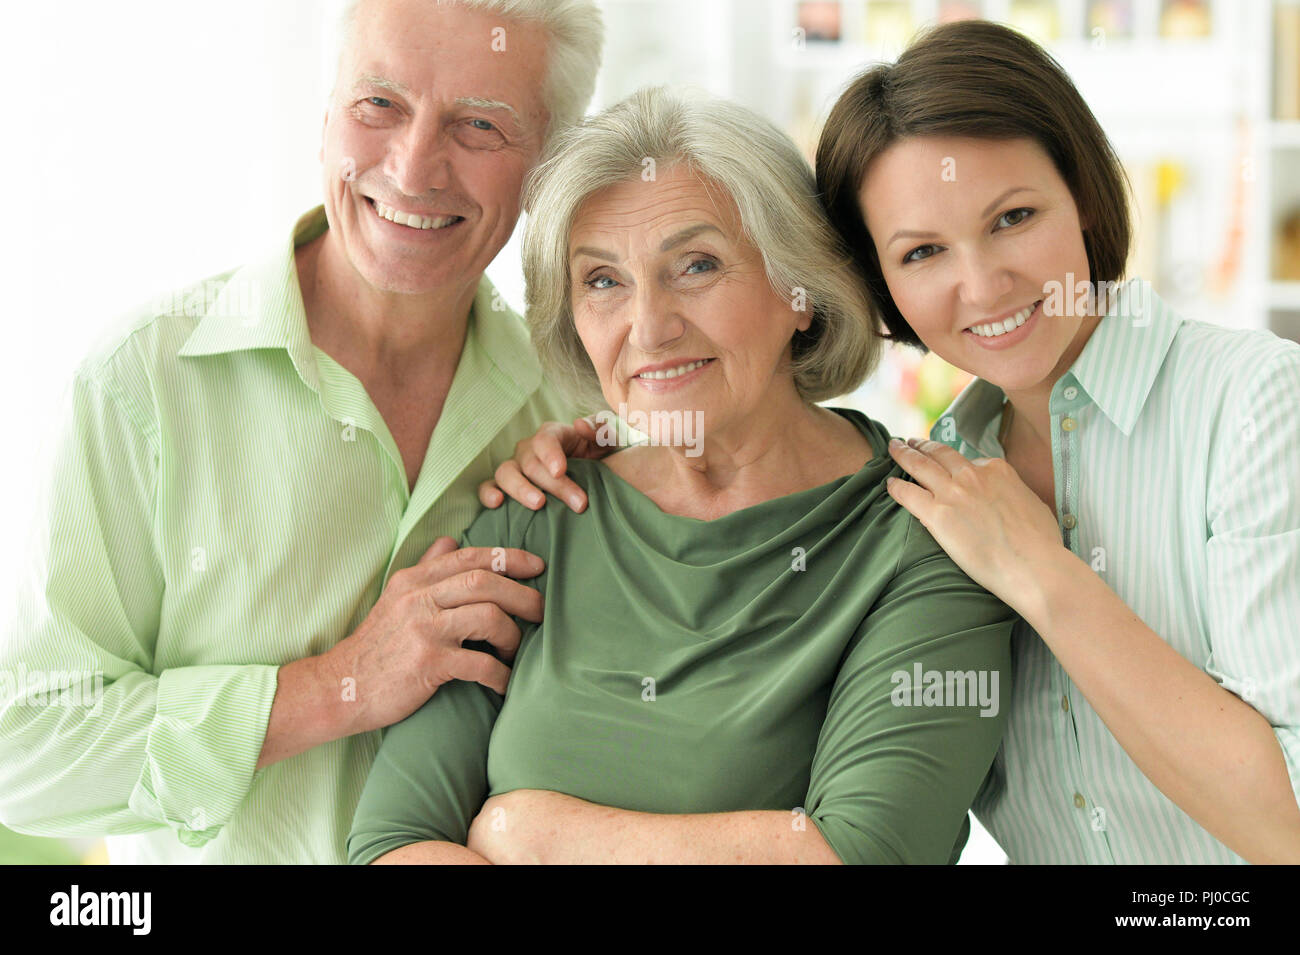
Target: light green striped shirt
(225,499)
(1176,451)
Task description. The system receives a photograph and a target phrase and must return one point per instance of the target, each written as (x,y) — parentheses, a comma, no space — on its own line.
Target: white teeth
(994,329)
(413,221)
(674,372)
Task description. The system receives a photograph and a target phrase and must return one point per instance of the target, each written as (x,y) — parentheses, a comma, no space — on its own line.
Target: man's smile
(412,220)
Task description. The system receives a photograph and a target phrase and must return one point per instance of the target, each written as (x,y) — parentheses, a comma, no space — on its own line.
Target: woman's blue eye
(380,101)
(707,262)
(1016,212)
(599,278)
(913,257)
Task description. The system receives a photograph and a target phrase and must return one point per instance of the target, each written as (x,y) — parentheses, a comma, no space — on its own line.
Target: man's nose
(656,323)
(419,159)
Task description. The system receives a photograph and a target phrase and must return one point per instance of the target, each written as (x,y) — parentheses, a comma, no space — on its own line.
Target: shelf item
(1185,19)
(1286,68)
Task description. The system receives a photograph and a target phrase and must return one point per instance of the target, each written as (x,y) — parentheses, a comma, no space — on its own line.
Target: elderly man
(249,533)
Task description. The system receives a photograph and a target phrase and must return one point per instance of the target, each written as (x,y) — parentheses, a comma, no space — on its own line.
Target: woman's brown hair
(978,79)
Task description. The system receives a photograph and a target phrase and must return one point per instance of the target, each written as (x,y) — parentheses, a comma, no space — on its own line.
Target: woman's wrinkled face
(673,304)
(971,234)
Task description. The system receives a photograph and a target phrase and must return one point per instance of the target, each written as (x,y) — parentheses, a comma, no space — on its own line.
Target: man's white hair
(576,38)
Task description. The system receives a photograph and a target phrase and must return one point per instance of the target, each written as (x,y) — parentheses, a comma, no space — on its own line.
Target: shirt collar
(1117,369)
(261,306)
(1122,359)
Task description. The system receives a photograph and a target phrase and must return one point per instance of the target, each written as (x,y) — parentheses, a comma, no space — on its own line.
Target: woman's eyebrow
(668,244)
(988,210)
(685,235)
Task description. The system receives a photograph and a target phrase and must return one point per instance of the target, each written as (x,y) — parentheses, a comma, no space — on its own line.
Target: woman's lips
(1007,339)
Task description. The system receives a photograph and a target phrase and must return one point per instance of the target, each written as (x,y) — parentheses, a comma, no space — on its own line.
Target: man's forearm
(306,712)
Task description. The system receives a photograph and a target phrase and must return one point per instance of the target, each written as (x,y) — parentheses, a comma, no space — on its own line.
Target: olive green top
(817,653)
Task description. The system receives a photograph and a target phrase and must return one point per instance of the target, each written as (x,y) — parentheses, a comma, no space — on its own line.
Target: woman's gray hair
(773,188)
(576,33)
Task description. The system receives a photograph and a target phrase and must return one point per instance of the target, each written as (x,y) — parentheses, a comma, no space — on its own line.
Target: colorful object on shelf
(1185,19)
(1114,18)
(1037,19)
(820,21)
(1224,274)
(950,11)
(889,27)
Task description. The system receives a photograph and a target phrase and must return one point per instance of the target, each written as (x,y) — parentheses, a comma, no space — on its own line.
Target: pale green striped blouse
(1176,450)
(226,499)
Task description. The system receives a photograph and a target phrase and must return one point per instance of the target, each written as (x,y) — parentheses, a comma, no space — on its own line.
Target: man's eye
(1020,215)
(914,255)
(380,102)
(482,124)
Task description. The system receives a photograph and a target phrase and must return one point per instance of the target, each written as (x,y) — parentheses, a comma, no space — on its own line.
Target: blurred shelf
(1284,295)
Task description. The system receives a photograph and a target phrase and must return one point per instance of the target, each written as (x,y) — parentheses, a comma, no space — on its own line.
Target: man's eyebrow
(477,102)
(908,234)
(381,83)
(668,244)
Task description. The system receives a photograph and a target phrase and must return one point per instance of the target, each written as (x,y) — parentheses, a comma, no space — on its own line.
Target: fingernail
(536,500)
(575,502)
(896,442)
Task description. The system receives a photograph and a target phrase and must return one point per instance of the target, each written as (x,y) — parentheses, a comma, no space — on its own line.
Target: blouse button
(1079,801)
(1071,393)
(1069,521)
(1068,424)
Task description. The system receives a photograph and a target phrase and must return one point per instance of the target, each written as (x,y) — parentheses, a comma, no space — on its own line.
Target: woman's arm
(429,776)
(1212,754)
(539,827)
(893,773)
(431,853)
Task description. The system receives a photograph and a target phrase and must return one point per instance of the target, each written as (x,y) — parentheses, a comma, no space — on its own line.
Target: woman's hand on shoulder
(540,463)
(988,520)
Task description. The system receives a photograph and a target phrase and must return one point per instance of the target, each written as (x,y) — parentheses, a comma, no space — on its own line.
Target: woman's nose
(984,282)
(656,324)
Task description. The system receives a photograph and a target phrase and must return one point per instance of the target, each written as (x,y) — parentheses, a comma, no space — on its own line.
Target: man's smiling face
(435,120)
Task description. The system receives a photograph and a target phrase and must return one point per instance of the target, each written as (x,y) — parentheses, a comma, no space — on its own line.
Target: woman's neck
(787,451)
(1032,424)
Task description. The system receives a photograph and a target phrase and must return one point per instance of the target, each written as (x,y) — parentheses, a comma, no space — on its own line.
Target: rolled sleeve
(892,780)
(138,751)
(1253,551)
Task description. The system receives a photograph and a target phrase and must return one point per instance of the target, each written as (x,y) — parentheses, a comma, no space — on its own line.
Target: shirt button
(1065,704)
(1079,801)
(1069,521)
(1068,424)
(1071,393)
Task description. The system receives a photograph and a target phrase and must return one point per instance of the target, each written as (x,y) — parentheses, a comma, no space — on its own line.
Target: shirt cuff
(203,747)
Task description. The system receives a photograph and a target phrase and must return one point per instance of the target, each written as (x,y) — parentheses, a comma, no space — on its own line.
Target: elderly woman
(750,651)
